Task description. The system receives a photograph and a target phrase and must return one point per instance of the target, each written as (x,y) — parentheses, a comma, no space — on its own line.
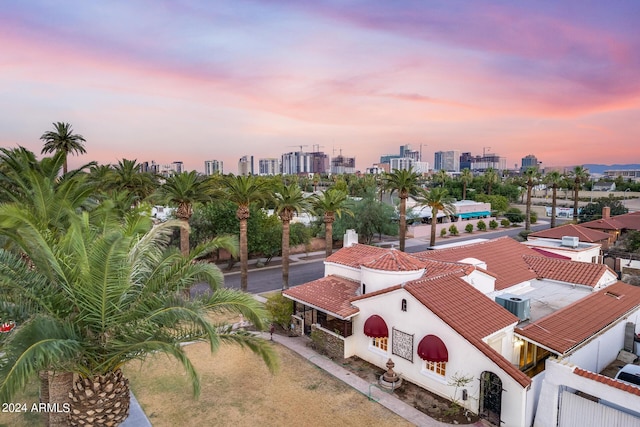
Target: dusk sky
(201,80)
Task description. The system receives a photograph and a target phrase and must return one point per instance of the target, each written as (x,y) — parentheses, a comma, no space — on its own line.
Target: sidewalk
(371,390)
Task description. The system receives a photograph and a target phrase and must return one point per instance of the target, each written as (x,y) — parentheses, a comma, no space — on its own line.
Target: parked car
(629,373)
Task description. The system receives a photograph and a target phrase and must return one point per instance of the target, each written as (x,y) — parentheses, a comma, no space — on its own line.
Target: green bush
(469,228)
(443,232)
(533,217)
(505,222)
(280,309)
(453,230)
(482,226)
(514,215)
(524,234)
(493,224)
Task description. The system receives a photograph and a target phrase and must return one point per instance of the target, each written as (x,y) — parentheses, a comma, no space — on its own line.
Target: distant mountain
(599,169)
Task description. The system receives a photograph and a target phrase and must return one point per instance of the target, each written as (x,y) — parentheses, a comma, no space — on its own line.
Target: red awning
(375,327)
(432,349)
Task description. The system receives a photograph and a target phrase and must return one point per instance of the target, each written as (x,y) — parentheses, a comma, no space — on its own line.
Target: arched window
(403,305)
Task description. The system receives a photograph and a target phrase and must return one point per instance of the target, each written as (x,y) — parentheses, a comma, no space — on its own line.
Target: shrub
(505,222)
(533,217)
(453,230)
(443,232)
(482,226)
(469,228)
(514,215)
(493,224)
(524,234)
(280,309)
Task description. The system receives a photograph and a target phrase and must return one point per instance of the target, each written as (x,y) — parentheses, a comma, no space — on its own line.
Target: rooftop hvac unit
(570,241)
(520,307)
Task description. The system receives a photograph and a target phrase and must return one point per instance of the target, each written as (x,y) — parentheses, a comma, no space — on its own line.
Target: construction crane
(301,145)
(316,147)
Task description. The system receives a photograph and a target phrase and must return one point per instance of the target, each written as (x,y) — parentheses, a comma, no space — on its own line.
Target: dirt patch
(431,404)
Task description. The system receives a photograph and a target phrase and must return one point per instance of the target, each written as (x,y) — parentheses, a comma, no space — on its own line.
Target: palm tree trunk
(464,191)
(184,238)
(553,207)
(328,237)
(527,219)
(434,222)
(102,400)
(244,256)
(285,254)
(54,389)
(576,192)
(403,222)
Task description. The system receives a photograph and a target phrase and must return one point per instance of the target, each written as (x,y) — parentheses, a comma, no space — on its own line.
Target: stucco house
(467,313)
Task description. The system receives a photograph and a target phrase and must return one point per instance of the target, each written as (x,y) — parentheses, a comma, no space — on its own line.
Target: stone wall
(327,342)
(297,329)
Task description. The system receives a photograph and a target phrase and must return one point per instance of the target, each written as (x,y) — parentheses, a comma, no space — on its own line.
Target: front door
(490,397)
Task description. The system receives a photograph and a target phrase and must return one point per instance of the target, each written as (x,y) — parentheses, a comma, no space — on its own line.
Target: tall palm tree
(184,190)
(491,178)
(63,140)
(466,177)
(405,182)
(242,191)
(579,175)
(438,200)
(104,294)
(531,175)
(289,201)
(555,180)
(330,203)
(441,176)
(128,176)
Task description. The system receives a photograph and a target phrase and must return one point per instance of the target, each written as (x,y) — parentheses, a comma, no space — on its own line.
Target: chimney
(606,212)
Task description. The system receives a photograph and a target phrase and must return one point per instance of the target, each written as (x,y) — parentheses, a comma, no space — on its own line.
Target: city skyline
(200,81)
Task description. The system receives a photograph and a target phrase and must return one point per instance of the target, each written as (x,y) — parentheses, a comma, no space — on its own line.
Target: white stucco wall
(341,270)
(464,358)
(378,279)
(608,278)
(483,282)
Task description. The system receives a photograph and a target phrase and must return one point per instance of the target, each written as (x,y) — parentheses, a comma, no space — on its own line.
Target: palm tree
(330,203)
(104,294)
(405,182)
(289,201)
(242,191)
(531,174)
(184,190)
(438,200)
(491,178)
(63,140)
(466,177)
(579,175)
(554,179)
(441,176)
(128,176)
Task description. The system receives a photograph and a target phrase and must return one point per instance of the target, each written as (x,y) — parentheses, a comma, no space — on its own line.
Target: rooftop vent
(520,307)
(570,241)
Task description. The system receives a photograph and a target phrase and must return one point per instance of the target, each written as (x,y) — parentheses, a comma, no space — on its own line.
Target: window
(439,368)
(364,289)
(403,306)
(381,343)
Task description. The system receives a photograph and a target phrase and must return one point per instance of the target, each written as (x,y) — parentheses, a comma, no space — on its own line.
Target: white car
(629,374)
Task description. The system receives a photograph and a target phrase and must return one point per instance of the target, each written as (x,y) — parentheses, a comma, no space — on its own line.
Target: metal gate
(490,397)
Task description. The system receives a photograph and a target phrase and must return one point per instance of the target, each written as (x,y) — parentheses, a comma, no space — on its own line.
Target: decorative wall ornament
(402,344)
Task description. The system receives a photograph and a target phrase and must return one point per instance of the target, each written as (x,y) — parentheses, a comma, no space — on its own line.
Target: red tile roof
(394,260)
(574,324)
(575,272)
(356,255)
(630,221)
(583,234)
(330,294)
(469,312)
(608,381)
(503,256)
(549,254)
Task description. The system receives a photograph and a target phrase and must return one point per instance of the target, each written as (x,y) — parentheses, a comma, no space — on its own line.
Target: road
(270,278)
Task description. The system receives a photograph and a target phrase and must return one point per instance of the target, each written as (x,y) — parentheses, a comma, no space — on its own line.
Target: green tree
(498,203)
(554,179)
(531,176)
(632,241)
(493,224)
(441,176)
(466,177)
(438,200)
(63,140)
(243,191)
(593,210)
(330,203)
(184,190)
(128,178)
(405,182)
(579,175)
(514,215)
(102,294)
(289,201)
(491,178)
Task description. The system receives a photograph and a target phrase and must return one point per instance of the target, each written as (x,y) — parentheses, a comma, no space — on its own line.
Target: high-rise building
(529,161)
(212,167)
(270,166)
(406,163)
(447,160)
(343,164)
(245,165)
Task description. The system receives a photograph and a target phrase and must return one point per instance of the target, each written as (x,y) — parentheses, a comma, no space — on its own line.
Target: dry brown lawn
(238,390)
